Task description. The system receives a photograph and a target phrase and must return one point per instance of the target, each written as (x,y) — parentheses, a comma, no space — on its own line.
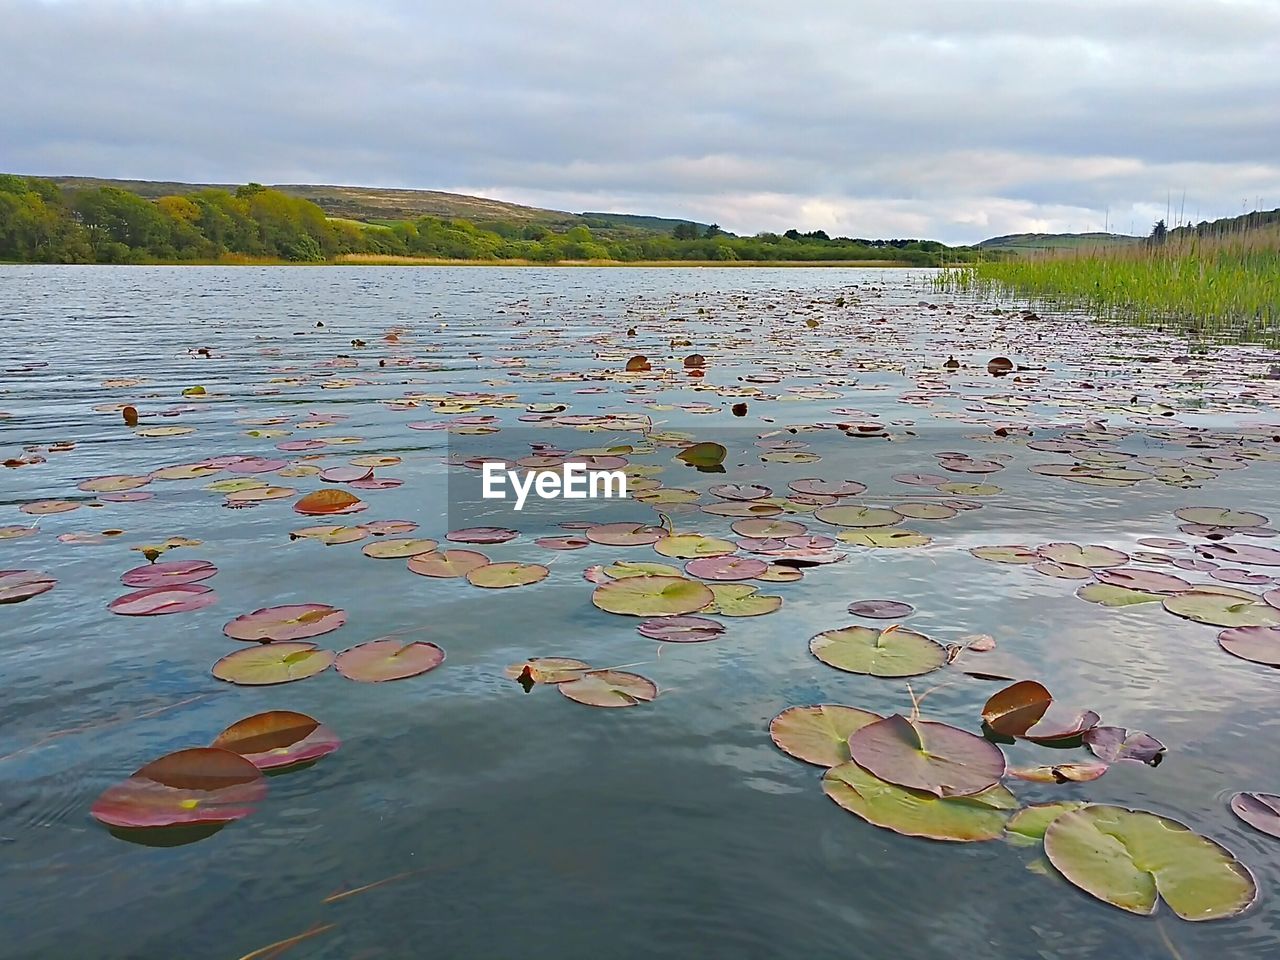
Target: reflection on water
(509,825)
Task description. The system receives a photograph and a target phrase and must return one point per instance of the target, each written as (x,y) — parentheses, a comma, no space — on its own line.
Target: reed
(1222,287)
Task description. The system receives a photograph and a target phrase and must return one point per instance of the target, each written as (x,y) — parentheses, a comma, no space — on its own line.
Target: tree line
(41,222)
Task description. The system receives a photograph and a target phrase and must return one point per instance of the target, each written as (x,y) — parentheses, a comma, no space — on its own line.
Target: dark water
(528,825)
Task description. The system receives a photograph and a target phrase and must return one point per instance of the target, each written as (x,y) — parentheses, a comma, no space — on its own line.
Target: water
(528,825)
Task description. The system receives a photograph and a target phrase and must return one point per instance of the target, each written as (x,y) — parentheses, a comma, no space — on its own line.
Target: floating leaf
(388,658)
(686,546)
(1016,709)
(485,535)
(1220,517)
(609,688)
(851,516)
(448,564)
(1129,857)
(497,576)
(1060,773)
(1255,644)
(726,568)
(1114,744)
(201,785)
(886,539)
(652,596)
(273,663)
(1031,822)
(168,573)
(1016,554)
(927,755)
(818,734)
(398,548)
(329,502)
(880,653)
(19,585)
(159,601)
(1107,595)
(680,629)
(1259,810)
(917,813)
(740,600)
(278,739)
(881,609)
(624,534)
(1223,607)
(1092,556)
(703,455)
(293,621)
(548,669)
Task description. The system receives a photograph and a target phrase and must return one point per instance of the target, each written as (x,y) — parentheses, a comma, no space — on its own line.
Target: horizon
(927,121)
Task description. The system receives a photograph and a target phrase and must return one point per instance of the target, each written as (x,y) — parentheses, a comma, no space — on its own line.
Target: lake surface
(528,825)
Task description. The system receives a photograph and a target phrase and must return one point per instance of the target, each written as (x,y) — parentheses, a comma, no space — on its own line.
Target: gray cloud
(926,118)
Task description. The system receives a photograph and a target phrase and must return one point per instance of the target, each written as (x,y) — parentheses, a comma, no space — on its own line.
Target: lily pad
(624,534)
(881,653)
(652,596)
(388,658)
(681,629)
(853,516)
(886,539)
(278,739)
(168,573)
(609,688)
(1014,710)
(1220,517)
(1223,607)
(828,488)
(398,548)
(160,601)
(1259,810)
(1031,822)
(328,502)
(499,576)
(881,609)
(726,568)
(19,585)
(273,663)
(819,734)
(447,564)
(766,528)
(200,785)
(927,755)
(1113,744)
(1132,858)
(687,546)
(1017,554)
(486,535)
(740,600)
(1144,581)
(917,813)
(1255,644)
(293,621)
(1061,772)
(1241,553)
(1092,556)
(1107,595)
(548,669)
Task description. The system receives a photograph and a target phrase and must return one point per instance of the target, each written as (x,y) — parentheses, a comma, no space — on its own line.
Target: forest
(41,222)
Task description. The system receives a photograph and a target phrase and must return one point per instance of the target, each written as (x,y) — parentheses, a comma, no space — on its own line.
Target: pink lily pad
(157,601)
(1259,810)
(1255,644)
(828,488)
(19,585)
(278,739)
(688,629)
(201,785)
(725,568)
(388,658)
(926,755)
(481,535)
(168,573)
(345,474)
(1113,744)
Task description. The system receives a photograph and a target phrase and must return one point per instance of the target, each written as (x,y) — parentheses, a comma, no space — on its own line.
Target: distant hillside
(382,204)
(1037,242)
(1241,224)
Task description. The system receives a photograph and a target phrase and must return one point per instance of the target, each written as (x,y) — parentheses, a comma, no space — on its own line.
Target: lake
(465,817)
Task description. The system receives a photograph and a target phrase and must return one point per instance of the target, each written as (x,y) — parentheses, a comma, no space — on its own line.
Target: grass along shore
(385,260)
(1224,287)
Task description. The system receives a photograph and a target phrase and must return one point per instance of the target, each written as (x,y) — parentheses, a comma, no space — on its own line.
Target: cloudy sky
(951,119)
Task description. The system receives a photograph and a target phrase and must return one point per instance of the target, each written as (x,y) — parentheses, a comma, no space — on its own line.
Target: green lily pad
(620,569)
(1223,607)
(1130,858)
(885,539)
(1092,555)
(1031,822)
(926,755)
(818,734)
(916,813)
(740,600)
(1010,554)
(1220,517)
(890,652)
(852,516)
(687,546)
(273,663)
(609,688)
(652,596)
(499,576)
(1107,595)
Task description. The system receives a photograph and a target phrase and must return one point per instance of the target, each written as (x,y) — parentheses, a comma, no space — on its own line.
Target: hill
(1020,243)
(385,205)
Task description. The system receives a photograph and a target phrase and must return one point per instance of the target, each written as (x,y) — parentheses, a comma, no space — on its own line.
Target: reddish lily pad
(687,629)
(819,734)
(1113,744)
(828,488)
(1220,517)
(293,621)
(168,573)
(1013,711)
(278,739)
(926,755)
(201,785)
(487,535)
(726,568)
(1241,553)
(1255,644)
(328,502)
(447,564)
(625,534)
(881,609)
(159,601)
(388,658)
(19,585)
(273,663)
(1061,773)
(1144,581)
(1259,810)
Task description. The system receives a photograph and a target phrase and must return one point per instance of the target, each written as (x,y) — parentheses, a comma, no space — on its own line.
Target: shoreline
(379,260)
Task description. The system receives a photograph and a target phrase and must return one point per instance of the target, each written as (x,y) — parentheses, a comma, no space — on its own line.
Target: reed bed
(1218,287)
